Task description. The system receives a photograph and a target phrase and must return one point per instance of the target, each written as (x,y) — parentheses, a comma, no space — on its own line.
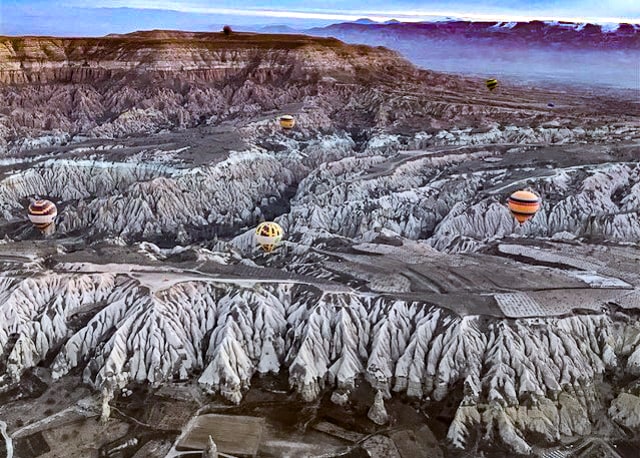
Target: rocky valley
(406,312)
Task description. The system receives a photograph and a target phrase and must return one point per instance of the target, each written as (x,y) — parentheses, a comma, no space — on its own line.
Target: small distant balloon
(226,30)
(491,84)
(268,235)
(42,213)
(524,204)
(287,121)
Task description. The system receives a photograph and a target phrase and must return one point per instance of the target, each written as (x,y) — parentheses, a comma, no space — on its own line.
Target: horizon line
(376,16)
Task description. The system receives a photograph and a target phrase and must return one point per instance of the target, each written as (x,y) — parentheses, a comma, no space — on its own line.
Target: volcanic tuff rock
(143,82)
(377,412)
(149,81)
(401,265)
(348,196)
(197,55)
(145,329)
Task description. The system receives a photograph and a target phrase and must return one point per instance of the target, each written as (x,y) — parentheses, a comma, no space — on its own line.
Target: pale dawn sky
(98,17)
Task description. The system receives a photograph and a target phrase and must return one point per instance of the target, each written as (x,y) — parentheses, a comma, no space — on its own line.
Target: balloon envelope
(268,235)
(42,213)
(287,121)
(491,83)
(523,205)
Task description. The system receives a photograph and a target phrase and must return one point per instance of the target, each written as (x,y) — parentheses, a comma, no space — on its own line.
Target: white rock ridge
(224,334)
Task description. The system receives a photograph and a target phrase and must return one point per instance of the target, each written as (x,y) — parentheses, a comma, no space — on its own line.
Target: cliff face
(145,82)
(206,56)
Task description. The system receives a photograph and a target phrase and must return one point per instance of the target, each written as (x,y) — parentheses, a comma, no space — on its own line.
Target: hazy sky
(98,17)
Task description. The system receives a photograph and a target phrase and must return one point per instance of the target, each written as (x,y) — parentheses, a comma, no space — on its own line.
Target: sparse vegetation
(16,44)
(49,52)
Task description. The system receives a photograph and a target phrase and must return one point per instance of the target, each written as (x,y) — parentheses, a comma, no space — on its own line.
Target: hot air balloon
(268,235)
(491,83)
(524,204)
(42,213)
(287,121)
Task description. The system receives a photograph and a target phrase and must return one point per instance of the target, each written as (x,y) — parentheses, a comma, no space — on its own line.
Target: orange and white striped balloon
(523,205)
(42,213)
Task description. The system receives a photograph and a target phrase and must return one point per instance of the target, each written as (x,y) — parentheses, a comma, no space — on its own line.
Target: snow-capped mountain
(568,34)
(600,55)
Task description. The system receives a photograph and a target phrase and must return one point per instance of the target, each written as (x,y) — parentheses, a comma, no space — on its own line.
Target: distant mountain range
(563,51)
(601,36)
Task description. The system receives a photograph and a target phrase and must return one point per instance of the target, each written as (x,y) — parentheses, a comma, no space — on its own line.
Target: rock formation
(401,266)
(377,412)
